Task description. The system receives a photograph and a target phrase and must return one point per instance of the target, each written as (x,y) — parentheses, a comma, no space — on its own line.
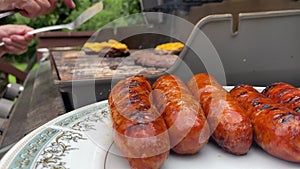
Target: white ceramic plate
(79,140)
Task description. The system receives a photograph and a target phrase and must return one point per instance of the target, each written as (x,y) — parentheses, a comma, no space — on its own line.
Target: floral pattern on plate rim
(42,153)
(85,119)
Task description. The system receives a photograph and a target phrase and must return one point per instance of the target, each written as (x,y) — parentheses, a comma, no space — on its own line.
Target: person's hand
(34,8)
(15,38)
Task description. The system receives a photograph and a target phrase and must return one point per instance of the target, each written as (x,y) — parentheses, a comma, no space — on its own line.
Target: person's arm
(33,8)
(15,38)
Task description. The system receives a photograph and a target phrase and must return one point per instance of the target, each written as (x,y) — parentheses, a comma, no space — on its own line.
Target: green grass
(20,66)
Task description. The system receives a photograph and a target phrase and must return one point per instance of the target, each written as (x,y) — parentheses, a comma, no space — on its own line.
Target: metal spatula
(83,17)
(8,13)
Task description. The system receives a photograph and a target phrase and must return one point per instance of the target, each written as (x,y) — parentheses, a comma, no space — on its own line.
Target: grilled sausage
(285,94)
(276,128)
(184,117)
(140,131)
(232,129)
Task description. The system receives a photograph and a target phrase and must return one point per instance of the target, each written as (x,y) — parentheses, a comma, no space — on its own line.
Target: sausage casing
(276,127)
(285,94)
(232,129)
(184,117)
(140,132)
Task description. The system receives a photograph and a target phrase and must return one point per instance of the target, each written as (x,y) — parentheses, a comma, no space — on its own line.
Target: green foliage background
(113,9)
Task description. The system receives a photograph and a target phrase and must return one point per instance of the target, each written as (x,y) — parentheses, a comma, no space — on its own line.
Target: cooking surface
(77,65)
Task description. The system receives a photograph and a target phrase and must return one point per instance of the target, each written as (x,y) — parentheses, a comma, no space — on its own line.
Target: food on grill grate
(151,59)
(276,127)
(112,48)
(169,48)
(93,67)
(184,117)
(86,64)
(113,53)
(140,132)
(232,129)
(285,94)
